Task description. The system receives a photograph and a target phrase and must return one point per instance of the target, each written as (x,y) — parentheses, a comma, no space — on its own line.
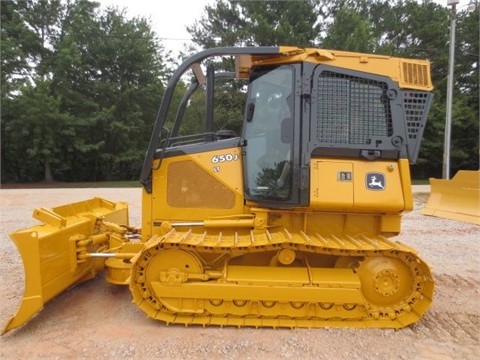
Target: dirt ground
(97,320)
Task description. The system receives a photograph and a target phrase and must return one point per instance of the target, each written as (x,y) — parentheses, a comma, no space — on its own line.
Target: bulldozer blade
(456,199)
(49,252)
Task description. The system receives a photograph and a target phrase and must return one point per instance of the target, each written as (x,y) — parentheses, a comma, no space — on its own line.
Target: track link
(278,279)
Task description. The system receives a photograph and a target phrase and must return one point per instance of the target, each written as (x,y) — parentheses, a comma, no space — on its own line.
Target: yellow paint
(49,254)
(457,198)
(194,188)
(341,185)
(408,73)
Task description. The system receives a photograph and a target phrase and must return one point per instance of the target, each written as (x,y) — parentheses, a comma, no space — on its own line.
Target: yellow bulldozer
(286,224)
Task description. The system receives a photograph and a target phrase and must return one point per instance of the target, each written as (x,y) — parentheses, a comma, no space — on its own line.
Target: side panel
(194,187)
(357,186)
(332,184)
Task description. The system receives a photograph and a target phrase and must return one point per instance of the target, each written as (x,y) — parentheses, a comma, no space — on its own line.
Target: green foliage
(39,131)
(261,23)
(115,70)
(18,43)
(350,31)
(95,80)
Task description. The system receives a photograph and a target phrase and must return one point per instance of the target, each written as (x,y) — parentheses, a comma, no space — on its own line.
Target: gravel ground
(97,320)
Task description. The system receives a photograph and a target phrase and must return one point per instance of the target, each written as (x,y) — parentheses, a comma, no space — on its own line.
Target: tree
(350,31)
(110,73)
(261,23)
(19,45)
(26,28)
(89,91)
(465,116)
(40,128)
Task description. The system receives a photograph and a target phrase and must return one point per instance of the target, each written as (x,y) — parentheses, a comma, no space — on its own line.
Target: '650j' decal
(217,159)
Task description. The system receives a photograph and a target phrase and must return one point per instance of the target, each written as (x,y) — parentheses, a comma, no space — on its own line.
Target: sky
(170,18)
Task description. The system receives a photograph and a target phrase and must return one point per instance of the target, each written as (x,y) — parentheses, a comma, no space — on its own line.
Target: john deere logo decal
(375,181)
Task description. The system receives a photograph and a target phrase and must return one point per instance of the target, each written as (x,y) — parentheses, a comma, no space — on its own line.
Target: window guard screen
(352,110)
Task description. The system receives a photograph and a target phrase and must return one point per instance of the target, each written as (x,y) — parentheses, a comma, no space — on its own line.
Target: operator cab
(296,110)
(268,134)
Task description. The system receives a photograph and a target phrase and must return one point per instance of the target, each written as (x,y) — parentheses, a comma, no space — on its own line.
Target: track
(320,280)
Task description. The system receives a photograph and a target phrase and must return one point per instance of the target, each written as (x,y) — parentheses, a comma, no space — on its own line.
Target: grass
(55,184)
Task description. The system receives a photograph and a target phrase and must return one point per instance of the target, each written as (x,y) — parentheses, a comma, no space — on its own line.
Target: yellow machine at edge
(286,224)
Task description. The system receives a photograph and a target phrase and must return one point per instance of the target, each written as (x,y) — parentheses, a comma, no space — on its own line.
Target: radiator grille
(189,185)
(352,110)
(415,74)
